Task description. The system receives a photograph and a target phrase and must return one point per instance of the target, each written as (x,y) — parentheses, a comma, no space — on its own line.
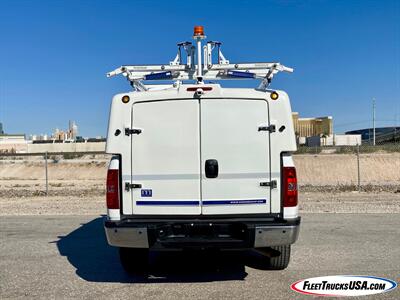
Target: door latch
(273,184)
(129,131)
(270,128)
(129,186)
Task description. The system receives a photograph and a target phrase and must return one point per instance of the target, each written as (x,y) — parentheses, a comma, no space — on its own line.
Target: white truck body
(190,156)
(180,132)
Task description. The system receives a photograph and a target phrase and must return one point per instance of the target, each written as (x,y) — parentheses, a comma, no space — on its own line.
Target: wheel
(134,260)
(281,261)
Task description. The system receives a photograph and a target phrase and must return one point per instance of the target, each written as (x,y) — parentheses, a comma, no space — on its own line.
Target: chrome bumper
(131,237)
(266,236)
(261,235)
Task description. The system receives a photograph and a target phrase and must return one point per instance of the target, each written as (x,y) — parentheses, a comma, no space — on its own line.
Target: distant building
(383,134)
(73,130)
(305,127)
(12,143)
(58,135)
(334,140)
(12,137)
(308,127)
(68,135)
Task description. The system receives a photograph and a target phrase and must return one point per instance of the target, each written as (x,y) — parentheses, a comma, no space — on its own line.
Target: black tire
(135,261)
(281,261)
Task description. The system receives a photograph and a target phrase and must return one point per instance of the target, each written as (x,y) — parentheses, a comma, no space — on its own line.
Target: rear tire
(135,261)
(281,261)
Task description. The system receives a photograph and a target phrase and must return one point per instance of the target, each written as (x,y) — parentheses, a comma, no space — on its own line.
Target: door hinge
(129,186)
(129,131)
(273,184)
(270,128)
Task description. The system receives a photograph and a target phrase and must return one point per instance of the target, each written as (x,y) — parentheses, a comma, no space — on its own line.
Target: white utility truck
(196,165)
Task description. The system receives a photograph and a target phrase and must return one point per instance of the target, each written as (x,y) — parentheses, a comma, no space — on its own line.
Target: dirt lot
(334,169)
(319,170)
(64,254)
(87,197)
(76,186)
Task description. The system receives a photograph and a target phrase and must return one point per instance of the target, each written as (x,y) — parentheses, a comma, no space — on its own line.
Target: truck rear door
(235,157)
(166,158)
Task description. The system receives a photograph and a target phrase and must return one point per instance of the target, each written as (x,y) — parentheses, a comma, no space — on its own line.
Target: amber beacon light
(198,31)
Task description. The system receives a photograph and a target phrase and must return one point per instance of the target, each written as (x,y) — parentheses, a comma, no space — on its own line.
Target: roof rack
(179,70)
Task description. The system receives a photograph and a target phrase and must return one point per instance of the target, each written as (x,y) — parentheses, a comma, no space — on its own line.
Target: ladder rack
(178,70)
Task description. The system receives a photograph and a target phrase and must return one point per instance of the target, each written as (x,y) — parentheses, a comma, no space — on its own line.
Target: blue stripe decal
(205,202)
(234,202)
(167,202)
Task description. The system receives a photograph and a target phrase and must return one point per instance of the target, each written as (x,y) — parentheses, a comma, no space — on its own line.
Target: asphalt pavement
(63,257)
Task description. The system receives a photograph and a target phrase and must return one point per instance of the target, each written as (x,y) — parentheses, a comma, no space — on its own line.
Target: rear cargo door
(166,158)
(235,157)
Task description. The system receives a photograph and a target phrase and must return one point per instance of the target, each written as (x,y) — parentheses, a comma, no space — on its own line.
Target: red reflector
(289,187)
(204,88)
(112,194)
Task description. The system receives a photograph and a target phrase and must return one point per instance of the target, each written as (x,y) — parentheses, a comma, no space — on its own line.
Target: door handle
(211,168)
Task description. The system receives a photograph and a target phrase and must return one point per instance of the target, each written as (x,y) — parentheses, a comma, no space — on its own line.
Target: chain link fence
(337,168)
(52,174)
(364,148)
(349,168)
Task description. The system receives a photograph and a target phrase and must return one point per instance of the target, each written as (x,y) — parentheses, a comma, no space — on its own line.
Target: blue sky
(54,54)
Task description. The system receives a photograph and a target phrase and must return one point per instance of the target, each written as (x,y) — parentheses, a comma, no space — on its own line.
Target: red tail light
(112,189)
(289,187)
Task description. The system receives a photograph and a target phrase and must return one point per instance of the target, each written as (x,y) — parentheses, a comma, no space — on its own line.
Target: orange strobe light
(198,31)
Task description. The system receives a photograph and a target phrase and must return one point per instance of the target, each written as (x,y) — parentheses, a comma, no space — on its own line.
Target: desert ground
(327,183)
(53,246)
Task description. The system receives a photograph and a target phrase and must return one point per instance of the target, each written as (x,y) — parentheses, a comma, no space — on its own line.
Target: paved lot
(67,257)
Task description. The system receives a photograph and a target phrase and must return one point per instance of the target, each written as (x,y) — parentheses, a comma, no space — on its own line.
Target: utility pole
(373,118)
(358,168)
(47,178)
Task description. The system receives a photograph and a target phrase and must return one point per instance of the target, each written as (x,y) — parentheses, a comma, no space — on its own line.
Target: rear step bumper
(189,233)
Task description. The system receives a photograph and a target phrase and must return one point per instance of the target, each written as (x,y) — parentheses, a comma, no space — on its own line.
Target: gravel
(89,199)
